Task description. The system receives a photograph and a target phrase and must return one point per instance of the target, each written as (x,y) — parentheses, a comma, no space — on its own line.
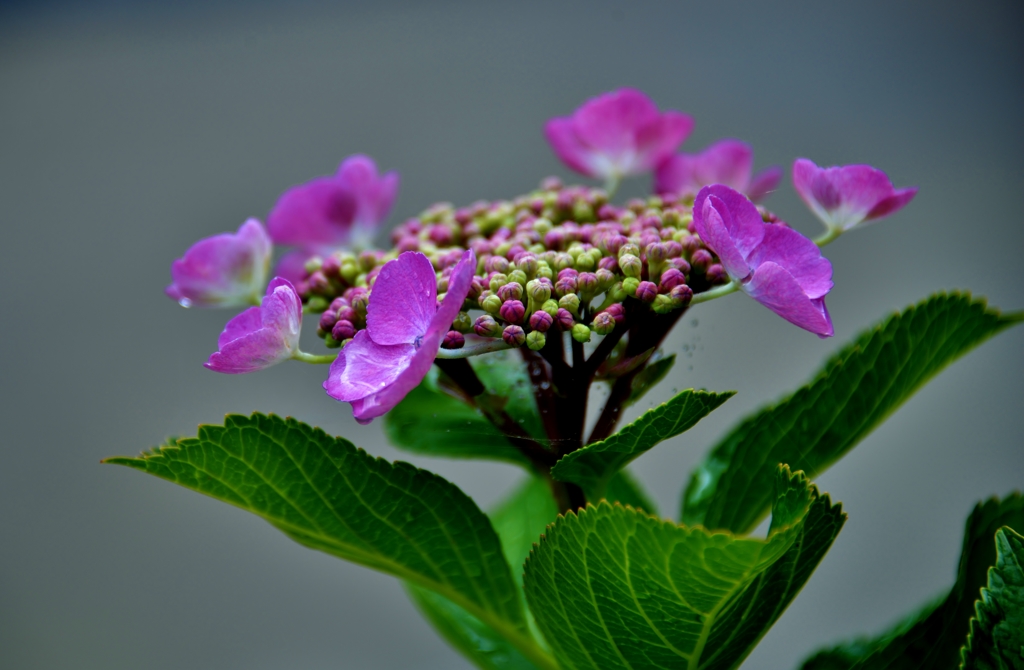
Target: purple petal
(843,197)
(364,367)
(374,194)
(371,406)
(727,162)
(568,147)
(318,212)
(403,300)
(895,202)
(775,288)
(763,183)
(609,122)
(261,336)
(730,225)
(459,283)
(799,256)
(224,270)
(657,140)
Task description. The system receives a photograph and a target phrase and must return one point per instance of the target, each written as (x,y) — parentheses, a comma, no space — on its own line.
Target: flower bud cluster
(558,259)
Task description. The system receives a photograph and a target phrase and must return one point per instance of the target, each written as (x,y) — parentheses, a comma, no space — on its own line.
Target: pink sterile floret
(261,336)
(404,329)
(225,270)
(617,134)
(844,197)
(332,212)
(772,263)
(728,162)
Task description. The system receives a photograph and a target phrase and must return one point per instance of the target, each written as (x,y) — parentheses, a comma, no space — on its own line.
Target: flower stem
(830,235)
(476,350)
(716,292)
(326,359)
(611,185)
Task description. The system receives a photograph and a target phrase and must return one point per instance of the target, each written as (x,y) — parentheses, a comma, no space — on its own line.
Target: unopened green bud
(585,263)
(330,342)
(528,265)
(663,304)
(491,304)
(630,285)
(617,293)
(544,270)
(349,272)
(497,281)
(538,291)
(536,340)
(367,260)
(551,307)
(580,333)
(563,261)
(442,284)
(316,303)
(582,211)
(630,265)
(571,302)
(463,323)
(503,248)
(630,249)
(603,323)
(574,250)
(518,277)
(542,226)
(671,218)
(605,279)
(313,264)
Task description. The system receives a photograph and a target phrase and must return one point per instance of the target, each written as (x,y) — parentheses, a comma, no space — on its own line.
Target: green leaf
(613,588)
(593,466)
(649,377)
(624,488)
(324,493)
(857,389)
(930,639)
(519,522)
(432,422)
(996,640)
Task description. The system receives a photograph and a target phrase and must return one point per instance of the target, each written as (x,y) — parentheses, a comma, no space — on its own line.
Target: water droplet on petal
(185,302)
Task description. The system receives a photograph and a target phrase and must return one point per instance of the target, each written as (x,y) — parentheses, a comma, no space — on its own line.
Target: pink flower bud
(565,286)
(453,340)
(512,311)
(617,312)
(486,326)
(496,264)
(682,294)
(680,264)
(343,330)
(716,274)
(701,260)
(327,321)
(565,319)
(647,291)
(541,321)
(670,279)
(510,291)
(514,336)
(603,324)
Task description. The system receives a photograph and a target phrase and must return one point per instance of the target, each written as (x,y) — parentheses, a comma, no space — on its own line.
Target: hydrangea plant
(557,290)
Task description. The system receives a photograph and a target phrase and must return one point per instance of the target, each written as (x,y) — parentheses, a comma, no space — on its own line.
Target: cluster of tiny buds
(561,257)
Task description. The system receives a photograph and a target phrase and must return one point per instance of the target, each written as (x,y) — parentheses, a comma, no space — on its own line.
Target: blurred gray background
(129,130)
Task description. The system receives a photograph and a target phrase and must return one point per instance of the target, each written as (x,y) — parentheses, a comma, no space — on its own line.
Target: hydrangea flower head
(404,329)
(844,197)
(617,134)
(261,336)
(728,162)
(772,263)
(225,270)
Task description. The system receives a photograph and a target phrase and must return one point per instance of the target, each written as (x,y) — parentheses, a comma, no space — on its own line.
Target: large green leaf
(432,422)
(519,522)
(996,640)
(613,588)
(930,639)
(857,389)
(593,466)
(326,494)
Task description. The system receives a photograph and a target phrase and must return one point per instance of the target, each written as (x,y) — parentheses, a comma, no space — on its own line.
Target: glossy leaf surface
(613,588)
(855,391)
